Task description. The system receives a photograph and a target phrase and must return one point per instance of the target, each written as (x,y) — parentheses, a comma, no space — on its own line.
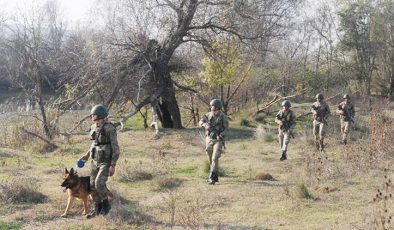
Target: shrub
(269,137)
(132,173)
(167,183)
(303,191)
(244,122)
(20,190)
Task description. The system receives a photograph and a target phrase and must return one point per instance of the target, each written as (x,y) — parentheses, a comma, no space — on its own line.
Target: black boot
(106,207)
(97,210)
(215,177)
(283,157)
(211,178)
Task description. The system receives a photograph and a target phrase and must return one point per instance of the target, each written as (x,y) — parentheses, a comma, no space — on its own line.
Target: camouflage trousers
(284,139)
(98,182)
(213,149)
(319,130)
(345,125)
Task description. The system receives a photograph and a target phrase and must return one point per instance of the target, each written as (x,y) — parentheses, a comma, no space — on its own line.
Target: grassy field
(161,183)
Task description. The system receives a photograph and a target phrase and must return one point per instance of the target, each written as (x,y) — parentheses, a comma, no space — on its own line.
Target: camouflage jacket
(287,117)
(322,109)
(104,148)
(348,111)
(218,123)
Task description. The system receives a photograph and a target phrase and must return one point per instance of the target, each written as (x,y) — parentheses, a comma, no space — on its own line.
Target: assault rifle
(214,132)
(346,114)
(286,126)
(320,115)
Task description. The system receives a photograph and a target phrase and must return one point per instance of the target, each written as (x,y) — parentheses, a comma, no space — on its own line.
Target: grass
(11,225)
(174,169)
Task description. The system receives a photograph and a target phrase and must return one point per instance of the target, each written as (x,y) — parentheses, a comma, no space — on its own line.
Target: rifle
(319,115)
(286,127)
(346,114)
(214,132)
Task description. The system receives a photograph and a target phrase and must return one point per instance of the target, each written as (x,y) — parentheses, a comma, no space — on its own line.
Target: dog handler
(104,152)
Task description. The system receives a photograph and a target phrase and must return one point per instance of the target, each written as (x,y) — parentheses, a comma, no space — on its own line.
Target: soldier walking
(286,121)
(104,152)
(346,111)
(320,111)
(215,124)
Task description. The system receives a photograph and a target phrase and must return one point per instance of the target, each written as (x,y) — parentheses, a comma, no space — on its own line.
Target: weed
(11,225)
(128,172)
(167,183)
(244,122)
(303,191)
(20,190)
(384,200)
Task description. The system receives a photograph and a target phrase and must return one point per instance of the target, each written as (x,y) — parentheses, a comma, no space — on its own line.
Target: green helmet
(217,103)
(100,111)
(346,96)
(319,96)
(286,103)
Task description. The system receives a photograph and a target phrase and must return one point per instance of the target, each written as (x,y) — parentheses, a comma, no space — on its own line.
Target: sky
(73,10)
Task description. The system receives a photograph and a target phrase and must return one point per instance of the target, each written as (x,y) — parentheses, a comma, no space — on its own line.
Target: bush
(20,190)
(244,122)
(167,183)
(132,173)
(303,191)
(269,137)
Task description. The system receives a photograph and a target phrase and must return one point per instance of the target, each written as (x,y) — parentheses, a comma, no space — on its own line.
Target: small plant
(132,173)
(20,190)
(383,200)
(303,191)
(167,183)
(269,137)
(244,122)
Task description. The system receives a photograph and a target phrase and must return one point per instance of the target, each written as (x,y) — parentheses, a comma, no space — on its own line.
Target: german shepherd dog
(76,187)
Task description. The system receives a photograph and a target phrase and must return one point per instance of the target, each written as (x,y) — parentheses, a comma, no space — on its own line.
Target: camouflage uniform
(104,152)
(320,122)
(288,118)
(346,118)
(213,146)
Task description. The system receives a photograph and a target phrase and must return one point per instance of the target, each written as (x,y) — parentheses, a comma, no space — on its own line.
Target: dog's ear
(65,170)
(72,171)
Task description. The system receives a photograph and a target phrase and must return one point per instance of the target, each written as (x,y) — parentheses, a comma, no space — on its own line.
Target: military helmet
(319,96)
(346,96)
(286,103)
(100,111)
(217,103)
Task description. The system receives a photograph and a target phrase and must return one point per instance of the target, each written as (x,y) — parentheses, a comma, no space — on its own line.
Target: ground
(160,183)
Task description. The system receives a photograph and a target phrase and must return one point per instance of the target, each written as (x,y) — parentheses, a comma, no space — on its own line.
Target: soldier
(286,121)
(320,111)
(215,124)
(104,152)
(346,112)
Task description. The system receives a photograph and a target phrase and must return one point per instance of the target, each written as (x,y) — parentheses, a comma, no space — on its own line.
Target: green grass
(189,171)
(11,225)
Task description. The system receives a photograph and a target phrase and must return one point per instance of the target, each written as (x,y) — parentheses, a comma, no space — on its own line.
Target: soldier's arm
(328,110)
(293,120)
(114,144)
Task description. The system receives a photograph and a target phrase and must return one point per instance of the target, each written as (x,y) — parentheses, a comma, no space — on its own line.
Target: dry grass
(161,184)
(20,190)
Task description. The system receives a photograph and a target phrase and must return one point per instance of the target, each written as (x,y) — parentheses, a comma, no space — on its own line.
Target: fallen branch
(278,98)
(40,137)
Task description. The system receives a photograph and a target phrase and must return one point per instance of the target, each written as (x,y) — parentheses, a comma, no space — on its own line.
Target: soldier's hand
(280,122)
(206,126)
(111,170)
(85,157)
(314,112)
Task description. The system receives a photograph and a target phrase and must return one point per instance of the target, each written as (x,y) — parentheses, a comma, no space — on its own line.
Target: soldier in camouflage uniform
(320,111)
(286,121)
(215,124)
(104,152)
(346,112)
